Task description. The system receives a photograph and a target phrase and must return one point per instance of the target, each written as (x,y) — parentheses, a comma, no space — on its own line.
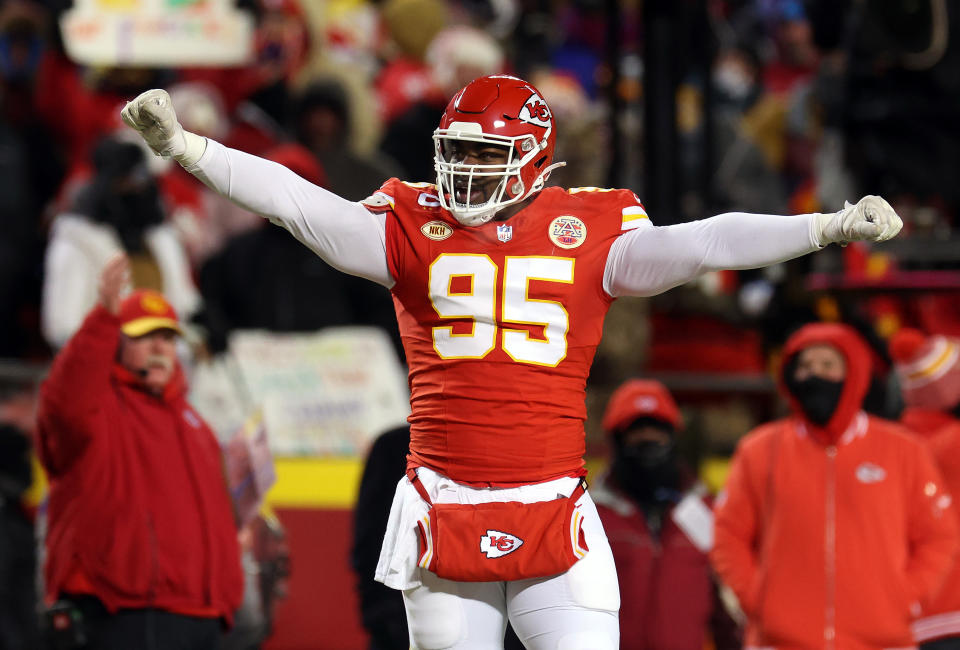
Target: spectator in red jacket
(835,530)
(928,368)
(659,528)
(141,540)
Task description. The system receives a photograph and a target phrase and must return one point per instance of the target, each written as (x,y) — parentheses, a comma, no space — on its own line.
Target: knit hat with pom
(928,368)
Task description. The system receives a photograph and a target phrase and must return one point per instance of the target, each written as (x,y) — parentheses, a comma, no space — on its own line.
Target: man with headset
(142,547)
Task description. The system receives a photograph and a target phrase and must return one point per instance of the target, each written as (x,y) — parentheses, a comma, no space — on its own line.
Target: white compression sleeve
(345,234)
(648,261)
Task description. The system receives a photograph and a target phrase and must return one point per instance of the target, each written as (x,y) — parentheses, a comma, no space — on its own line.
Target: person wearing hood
(835,529)
(141,543)
(118,211)
(928,369)
(658,521)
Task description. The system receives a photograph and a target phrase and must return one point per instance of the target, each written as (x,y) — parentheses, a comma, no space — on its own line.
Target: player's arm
(345,234)
(648,261)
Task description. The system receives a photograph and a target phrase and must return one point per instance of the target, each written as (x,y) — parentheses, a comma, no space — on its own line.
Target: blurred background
(700,107)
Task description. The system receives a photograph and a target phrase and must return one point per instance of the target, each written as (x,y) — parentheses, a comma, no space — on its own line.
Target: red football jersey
(500,324)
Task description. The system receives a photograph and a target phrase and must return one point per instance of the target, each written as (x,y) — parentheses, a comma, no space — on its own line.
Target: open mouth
(476,196)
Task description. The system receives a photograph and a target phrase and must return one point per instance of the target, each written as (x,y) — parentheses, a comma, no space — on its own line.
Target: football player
(501,286)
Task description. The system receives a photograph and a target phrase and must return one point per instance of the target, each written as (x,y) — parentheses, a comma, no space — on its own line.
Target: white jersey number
(475,297)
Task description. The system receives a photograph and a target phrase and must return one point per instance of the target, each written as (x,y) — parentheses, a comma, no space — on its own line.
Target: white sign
(163,33)
(329,393)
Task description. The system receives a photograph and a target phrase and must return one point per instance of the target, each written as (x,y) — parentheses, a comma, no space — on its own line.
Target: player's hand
(151,114)
(113,282)
(871,219)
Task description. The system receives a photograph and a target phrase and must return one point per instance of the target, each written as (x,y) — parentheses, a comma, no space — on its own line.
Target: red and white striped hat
(928,368)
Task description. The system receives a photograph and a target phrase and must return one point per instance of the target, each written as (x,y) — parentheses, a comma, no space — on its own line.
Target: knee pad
(586,641)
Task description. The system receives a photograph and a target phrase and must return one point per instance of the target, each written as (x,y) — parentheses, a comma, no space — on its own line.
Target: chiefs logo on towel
(497,544)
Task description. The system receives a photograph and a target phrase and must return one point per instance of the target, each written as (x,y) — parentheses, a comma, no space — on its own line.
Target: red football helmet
(502,111)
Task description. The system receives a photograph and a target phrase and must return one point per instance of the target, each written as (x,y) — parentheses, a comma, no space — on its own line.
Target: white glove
(871,219)
(151,114)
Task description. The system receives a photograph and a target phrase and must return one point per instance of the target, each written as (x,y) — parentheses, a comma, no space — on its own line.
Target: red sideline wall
(313,499)
(322,611)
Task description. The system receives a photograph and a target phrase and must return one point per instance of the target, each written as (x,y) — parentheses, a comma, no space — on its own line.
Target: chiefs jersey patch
(436,230)
(567,231)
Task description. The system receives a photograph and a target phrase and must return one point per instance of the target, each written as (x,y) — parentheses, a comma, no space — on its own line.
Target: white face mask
(520,150)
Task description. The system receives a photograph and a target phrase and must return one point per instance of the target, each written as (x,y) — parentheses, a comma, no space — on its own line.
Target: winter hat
(640,399)
(928,368)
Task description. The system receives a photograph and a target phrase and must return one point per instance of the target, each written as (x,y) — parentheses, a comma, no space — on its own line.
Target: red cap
(928,368)
(145,311)
(640,398)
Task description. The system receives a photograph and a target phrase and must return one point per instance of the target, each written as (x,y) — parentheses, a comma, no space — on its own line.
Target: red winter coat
(669,600)
(833,537)
(941,432)
(138,507)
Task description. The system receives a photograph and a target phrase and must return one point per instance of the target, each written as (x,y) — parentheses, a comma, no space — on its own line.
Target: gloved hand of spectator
(151,114)
(871,219)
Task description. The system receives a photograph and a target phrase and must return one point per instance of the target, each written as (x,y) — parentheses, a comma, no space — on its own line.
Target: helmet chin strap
(544,175)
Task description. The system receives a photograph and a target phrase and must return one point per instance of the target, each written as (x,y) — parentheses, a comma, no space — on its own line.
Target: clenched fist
(871,219)
(151,114)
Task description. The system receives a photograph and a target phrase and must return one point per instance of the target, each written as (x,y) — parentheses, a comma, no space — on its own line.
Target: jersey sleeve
(346,235)
(383,203)
(648,261)
(633,216)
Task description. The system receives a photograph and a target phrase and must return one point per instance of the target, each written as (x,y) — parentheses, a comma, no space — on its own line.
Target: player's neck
(511,210)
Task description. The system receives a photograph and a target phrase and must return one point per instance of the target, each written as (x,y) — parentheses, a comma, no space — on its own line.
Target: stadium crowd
(802,105)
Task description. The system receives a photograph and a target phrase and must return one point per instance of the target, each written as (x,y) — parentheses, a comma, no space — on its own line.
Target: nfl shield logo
(504,233)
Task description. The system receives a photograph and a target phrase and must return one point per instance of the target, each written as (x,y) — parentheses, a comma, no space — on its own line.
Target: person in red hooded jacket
(142,547)
(658,521)
(835,530)
(928,368)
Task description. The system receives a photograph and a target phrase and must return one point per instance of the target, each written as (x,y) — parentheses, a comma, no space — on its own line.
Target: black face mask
(647,471)
(956,410)
(818,397)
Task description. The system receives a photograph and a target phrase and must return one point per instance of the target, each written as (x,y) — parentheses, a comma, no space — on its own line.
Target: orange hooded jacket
(941,432)
(833,537)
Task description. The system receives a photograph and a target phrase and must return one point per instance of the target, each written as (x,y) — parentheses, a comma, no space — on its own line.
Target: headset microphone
(143,372)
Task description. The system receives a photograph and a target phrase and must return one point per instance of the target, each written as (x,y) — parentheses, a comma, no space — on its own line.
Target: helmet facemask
(455,179)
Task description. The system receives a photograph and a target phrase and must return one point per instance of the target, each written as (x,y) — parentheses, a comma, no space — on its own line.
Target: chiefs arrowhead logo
(497,544)
(535,111)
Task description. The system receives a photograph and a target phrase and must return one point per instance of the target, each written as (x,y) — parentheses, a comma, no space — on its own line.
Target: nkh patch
(497,543)
(436,230)
(504,233)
